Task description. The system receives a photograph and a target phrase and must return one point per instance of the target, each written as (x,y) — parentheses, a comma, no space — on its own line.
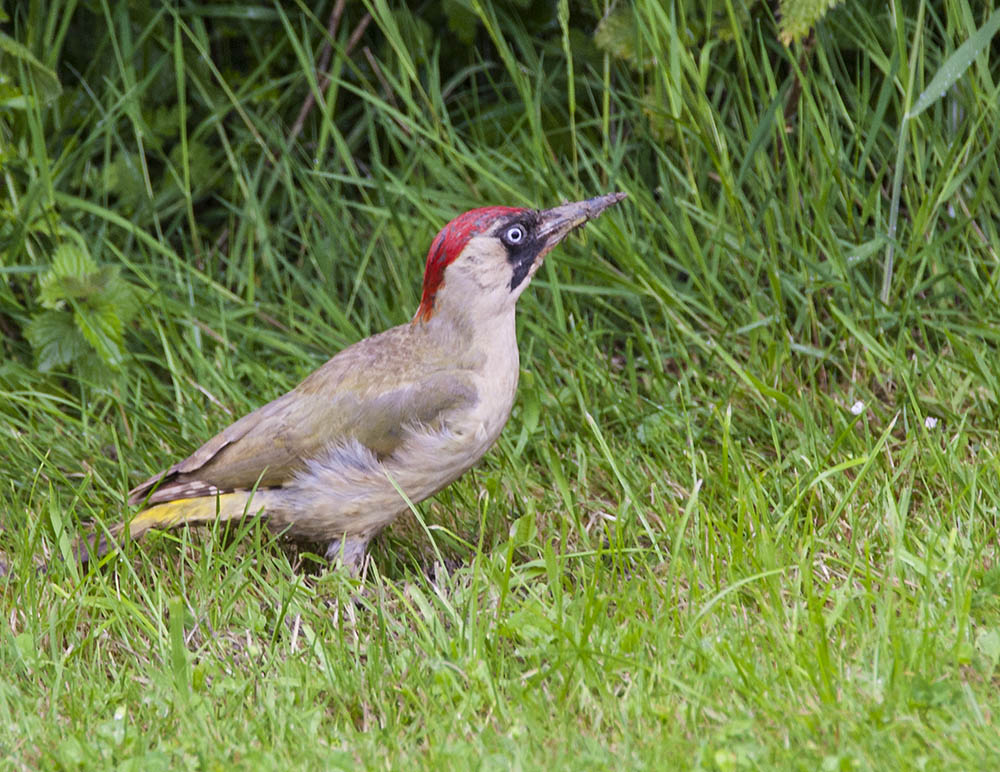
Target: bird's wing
(354,395)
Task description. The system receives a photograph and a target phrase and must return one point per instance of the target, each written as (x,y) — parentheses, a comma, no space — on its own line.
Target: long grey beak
(557,222)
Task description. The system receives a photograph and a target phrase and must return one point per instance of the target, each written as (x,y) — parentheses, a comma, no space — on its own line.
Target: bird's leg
(349,551)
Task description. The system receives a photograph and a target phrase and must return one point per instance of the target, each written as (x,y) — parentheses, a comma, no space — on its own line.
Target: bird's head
(486,257)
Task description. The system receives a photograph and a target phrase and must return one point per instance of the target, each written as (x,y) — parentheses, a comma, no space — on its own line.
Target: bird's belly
(348,490)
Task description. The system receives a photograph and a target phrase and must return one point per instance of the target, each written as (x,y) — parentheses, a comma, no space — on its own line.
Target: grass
(744,514)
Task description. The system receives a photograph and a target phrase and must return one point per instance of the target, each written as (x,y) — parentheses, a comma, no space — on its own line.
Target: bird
(407,410)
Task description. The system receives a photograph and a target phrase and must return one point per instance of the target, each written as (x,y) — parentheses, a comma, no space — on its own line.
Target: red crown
(448,245)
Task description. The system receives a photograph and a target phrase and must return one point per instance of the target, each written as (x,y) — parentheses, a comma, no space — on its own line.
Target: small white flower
(858,407)
(930,422)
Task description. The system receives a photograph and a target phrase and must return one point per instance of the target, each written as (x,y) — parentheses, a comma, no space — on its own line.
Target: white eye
(514,234)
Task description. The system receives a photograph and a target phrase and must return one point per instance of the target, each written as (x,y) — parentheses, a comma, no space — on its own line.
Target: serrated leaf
(654,429)
(164,121)
(120,295)
(617,35)
(462,20)
(68,277)
(661,124)
(988,643)
(91,369)
(71,259)
(46,81)
(55,339)
(102,327)
(123,177)
(798,17)
(201,166)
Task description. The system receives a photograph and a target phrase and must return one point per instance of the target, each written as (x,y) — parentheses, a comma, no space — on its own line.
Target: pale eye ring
(514,234)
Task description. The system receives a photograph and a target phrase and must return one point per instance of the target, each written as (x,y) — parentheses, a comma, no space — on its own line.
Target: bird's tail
(170,514)
(195,511)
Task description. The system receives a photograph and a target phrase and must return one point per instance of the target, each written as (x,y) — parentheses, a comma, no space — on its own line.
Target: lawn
(745,512)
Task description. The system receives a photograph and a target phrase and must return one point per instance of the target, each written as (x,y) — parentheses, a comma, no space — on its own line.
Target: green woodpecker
(409,409)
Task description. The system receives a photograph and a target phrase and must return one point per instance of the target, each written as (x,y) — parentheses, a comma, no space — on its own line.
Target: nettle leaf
(55,339)
(798,17)
(119,294)
(75,277)
(662,124)
(71,259)
(100,303)
(462,20)
(164,121)
(123,178)
(69,277)
(45,80)
(201,164)
(91,369)
(617,35)
(102,327)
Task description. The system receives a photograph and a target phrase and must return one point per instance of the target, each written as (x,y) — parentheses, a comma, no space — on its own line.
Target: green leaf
(101,300)
(45,80)
(72,260)
(462,20)
(988,644)
(102,327)
(123,178)
(89,368)
(617,35)
(55,339)
(69,275)
(201,167)
(798,17)
(118,293)
(164,121)
(956,64)
(654,429)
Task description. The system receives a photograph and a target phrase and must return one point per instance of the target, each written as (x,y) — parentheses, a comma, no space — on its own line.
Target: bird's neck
(485,348)
(486,335)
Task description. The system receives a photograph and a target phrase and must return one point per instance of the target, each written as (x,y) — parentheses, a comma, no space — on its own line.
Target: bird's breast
(468,430)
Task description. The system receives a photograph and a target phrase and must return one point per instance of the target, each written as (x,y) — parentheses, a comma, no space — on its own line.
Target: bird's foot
(350,552)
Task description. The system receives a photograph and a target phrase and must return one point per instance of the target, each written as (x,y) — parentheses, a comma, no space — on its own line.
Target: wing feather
(364,393)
